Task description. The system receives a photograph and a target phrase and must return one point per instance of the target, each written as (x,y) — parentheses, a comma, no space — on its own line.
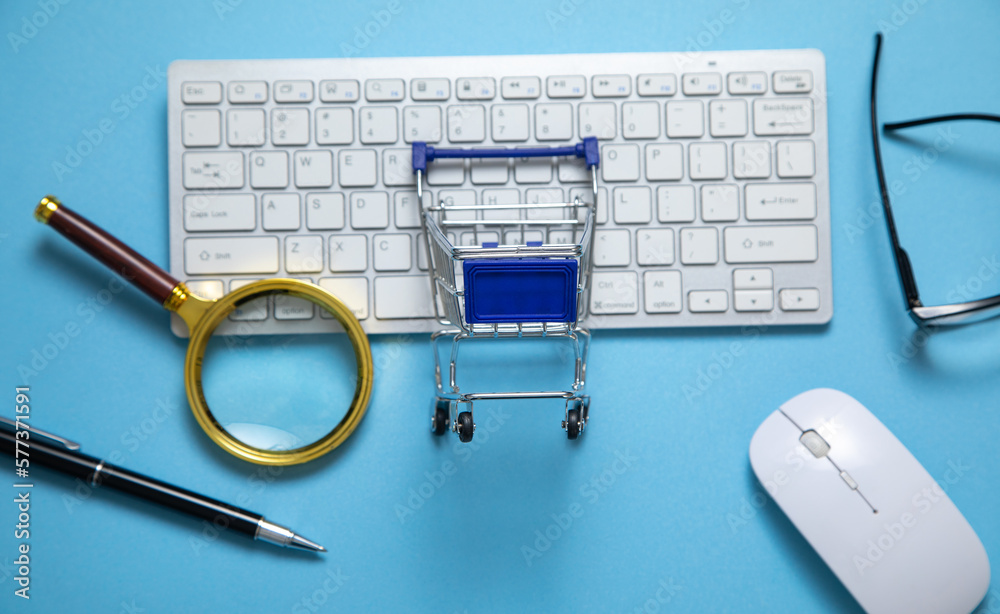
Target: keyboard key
(324,211)
(254,311)
(290,127)
(348,253)
(620,162)
(633,205)
(515,88)
(269,169)
(793,81)
(334,126)
(408,209)
(304,254)
(393,252)
(641,120)
(422,124)
(510,122)
(430,89)
(753,300)
(785,116)
(247,92)
(612,248)
(208,289)
(201,128)
(799,299)
(245,127)
(771,244)
(586,195)
(313,169)
(293,91)
(699,246)
(384,90)
(611,86)
(664,162)
(675,203)
(662,291)
(466,123)
(401,297)
(352,291)
(572,170)
(657,85)
(532,170)
(369,210)
(539,196)
(751,160)
(780,201)
(339,90)
(708,301)
(214,212)
(753,279)
(458,198)
(553,121)
(707,160)
(614,293)
(655,246)
(356,167)
(747,83)
(230,255)
(727,118)
(446,172)
(720,203)
(796,159)
(685,119)
(292,308)
(215,170)
(201,92)
(378,125)
(489,170)
(397,167)
(505,196)
(598,119)
(701,84)
(572,86)
(476,88)
(280,211)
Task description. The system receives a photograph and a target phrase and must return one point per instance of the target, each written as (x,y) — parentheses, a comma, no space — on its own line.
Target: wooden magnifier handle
(115,255)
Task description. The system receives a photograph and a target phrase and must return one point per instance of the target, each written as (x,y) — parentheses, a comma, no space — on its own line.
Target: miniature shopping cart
(507,271)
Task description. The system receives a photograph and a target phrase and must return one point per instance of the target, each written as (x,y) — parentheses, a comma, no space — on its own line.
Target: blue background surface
(686,512)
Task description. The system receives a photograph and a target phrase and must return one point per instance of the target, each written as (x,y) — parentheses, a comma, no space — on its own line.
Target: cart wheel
(573,419)
(441,418)
(465,427)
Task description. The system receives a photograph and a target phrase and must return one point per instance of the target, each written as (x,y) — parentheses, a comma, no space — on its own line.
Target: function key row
(511,88)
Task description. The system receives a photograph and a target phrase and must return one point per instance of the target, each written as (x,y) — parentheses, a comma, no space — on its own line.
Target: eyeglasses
(924,315)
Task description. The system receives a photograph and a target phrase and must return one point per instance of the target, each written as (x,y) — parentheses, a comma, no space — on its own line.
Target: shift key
(231,255)
(771,244)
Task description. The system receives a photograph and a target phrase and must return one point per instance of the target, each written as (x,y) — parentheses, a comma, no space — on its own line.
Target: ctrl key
(614,293)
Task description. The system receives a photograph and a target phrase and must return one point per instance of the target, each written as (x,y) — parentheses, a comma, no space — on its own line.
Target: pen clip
(12,426)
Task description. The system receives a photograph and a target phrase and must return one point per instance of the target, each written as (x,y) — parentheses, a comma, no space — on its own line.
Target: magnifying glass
(278,428)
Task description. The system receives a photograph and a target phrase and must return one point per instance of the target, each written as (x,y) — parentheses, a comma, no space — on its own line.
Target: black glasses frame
(924,315)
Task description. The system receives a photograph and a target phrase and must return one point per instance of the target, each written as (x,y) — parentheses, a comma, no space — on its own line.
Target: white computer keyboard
(714,204)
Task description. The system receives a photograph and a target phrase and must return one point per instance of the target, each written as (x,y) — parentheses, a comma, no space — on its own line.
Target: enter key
(780,201)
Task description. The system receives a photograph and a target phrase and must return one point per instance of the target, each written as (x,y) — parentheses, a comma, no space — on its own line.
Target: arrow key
(753,300)
(708,301)
(799,299)
(753,279)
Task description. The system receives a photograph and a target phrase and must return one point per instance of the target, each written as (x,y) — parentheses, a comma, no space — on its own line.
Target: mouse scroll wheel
(816,444)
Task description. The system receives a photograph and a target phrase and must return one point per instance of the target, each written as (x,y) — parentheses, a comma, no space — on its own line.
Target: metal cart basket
(509,271)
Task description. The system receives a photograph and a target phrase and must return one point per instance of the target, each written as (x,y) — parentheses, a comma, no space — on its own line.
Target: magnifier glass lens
(278,392)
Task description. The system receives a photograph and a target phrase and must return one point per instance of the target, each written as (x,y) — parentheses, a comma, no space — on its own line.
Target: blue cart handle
(588,149)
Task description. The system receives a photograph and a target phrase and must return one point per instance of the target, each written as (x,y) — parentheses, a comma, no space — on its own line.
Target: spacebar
(771,244)
(229,255)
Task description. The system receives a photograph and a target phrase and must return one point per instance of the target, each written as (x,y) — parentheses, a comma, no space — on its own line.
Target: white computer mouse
(868,507)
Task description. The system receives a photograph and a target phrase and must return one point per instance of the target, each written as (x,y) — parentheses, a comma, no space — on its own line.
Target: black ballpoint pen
(64,455)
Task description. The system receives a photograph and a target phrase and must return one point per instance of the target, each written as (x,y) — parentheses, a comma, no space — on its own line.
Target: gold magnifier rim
(215,312)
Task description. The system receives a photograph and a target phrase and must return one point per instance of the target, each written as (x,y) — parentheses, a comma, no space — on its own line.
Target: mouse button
(772,440)
(819,410)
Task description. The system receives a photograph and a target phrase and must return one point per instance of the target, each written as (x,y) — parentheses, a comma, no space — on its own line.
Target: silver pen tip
(302,543)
